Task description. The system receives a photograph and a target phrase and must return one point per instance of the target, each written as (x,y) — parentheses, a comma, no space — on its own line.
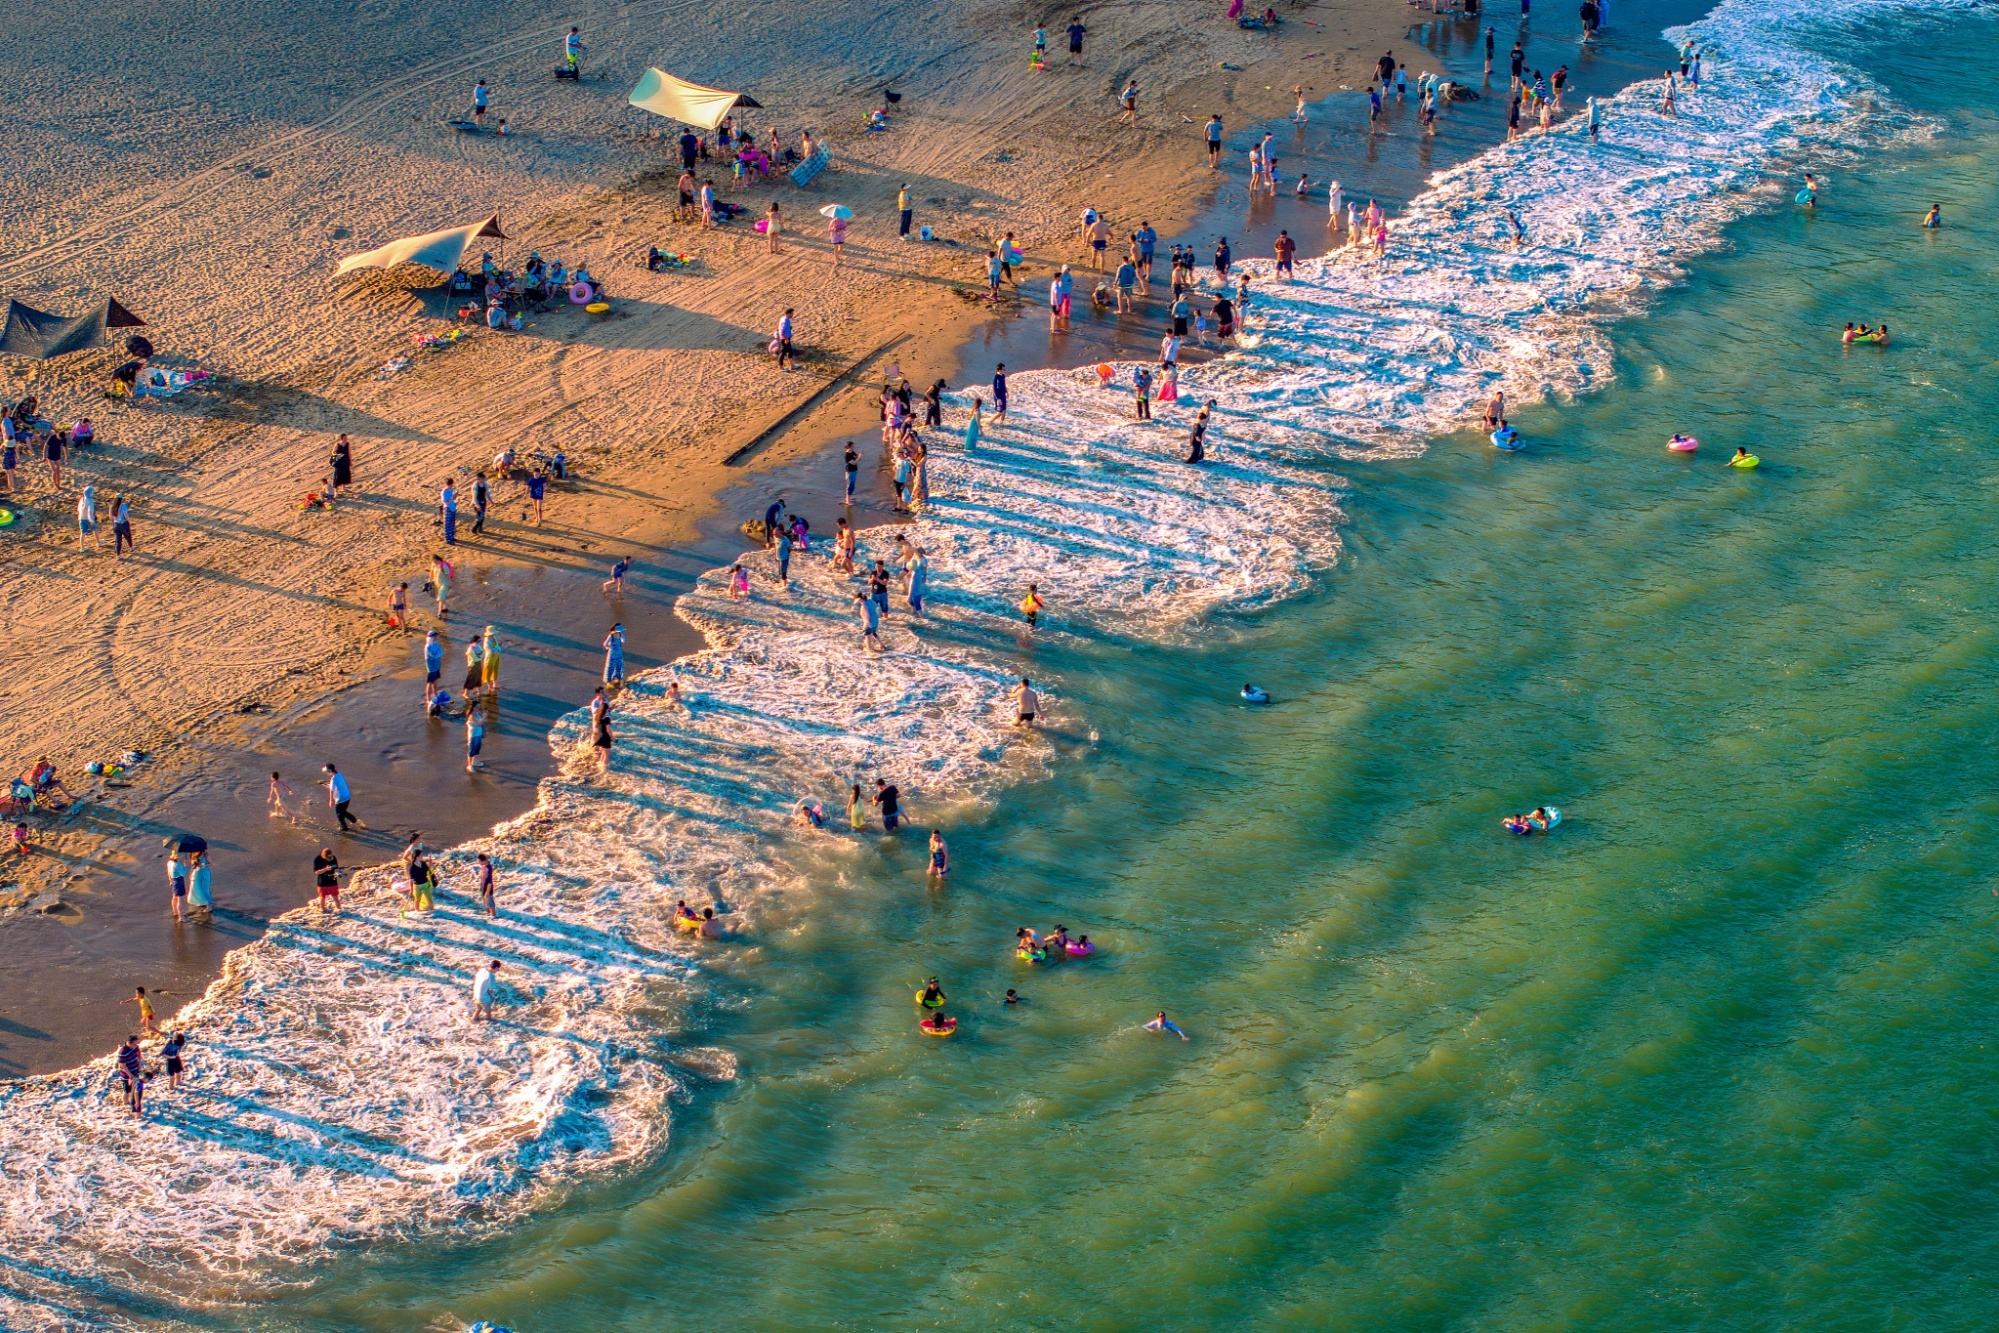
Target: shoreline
(1073,483)
(71,856)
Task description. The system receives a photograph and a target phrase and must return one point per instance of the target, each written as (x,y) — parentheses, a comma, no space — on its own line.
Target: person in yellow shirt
(904,206)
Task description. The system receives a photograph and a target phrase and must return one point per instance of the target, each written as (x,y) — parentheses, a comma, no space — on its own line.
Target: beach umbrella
(840,211)
(187,843)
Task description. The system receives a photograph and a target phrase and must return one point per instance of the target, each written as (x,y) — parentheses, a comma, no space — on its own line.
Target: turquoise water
(1713,1056)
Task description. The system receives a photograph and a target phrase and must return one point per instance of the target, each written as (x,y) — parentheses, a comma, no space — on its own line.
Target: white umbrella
(840,211)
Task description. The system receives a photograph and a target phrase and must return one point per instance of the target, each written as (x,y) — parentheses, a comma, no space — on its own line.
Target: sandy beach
(213,186)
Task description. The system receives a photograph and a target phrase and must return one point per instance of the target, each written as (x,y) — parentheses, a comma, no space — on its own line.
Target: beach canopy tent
(37,333)
(677,99)
(440,250)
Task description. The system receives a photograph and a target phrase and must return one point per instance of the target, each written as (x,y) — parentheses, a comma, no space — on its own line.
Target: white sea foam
(340,1095)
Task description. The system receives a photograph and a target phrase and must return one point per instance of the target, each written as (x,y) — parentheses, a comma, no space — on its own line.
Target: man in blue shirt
(1147,240)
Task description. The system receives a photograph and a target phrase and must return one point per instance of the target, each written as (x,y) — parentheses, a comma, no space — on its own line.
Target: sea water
(1713,1054)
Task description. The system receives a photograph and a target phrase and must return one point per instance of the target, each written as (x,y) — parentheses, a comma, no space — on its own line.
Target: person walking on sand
(1027,704)
(773,225)
(86,517)
(121,529)
(836,233)
(614,656)
(342,463)
(441,573)
(399,607)
(326,878)
(447,510)
(1214,135)
(338,794)
(481,96)
(483,982)
(905,210)
(1128,100)
(537,493)
(781,344)
(1076,31)
(852,461)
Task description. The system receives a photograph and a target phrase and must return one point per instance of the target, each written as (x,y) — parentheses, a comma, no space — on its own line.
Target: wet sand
(59,1002)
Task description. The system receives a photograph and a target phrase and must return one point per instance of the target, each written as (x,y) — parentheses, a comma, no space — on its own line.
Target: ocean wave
(339,1094)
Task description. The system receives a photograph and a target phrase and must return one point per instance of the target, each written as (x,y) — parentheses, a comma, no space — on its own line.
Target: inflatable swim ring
(1252,695)
(1507,438)
(1081,950)
(597,307)
(581,294)
(1035,955)
(6,517)
(1683,444)
(938,1026)
(1805,196)
(937,1003)
(690,924)
(1745,463)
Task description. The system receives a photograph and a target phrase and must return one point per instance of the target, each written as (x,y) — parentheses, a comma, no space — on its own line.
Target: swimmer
(808,814)
(940,856)
(1161,1023)
(1934,218)
(1809,196)
(932,995)
(1848,334)
(711,929)
(1058,939)
(1080,947)
(682,912)
(1011,998)
(1881,336)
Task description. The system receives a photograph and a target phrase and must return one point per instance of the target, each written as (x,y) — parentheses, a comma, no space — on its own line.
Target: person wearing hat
(491,682)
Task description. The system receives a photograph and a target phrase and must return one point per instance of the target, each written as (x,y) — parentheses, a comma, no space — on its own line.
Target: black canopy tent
(39,335)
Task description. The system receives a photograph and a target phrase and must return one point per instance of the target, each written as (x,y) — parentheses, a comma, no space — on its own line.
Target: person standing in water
(614,656)
(1934,218)
(856,809)
(482,882)
(1197,440)
(433,665)
(1027,704)
(940,856)
(280,791)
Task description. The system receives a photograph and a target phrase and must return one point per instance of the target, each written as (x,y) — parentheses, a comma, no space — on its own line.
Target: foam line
(338,1093)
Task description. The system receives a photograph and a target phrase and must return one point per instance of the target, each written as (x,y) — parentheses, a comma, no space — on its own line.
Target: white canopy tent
(677,99)
(441,250)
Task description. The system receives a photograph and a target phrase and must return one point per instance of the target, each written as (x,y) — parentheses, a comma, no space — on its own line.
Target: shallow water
(1713,1055)
(1709,1055)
